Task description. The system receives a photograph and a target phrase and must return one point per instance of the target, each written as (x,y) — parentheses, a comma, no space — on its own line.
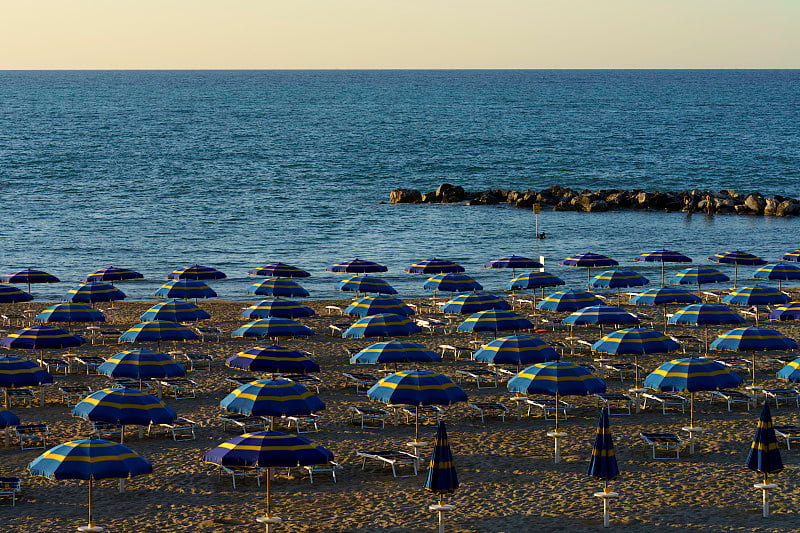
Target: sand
(509,481)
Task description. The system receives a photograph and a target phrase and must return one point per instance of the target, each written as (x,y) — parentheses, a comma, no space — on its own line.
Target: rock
(597,206)
(755,203)
(405,196)
(448,193)
(770,207)
(788,208)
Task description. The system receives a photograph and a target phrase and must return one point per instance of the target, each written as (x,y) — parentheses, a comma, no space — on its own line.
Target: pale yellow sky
(370,34)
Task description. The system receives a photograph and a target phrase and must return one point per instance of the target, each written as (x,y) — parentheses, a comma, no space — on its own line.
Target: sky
(399,34)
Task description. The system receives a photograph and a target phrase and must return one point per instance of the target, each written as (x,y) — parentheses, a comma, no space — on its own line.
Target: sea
(155,170)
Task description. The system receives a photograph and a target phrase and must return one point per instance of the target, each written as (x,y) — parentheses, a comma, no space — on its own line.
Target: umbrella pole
(90,523)
(416,423)
(735,274)
(662,273)
(753,369)
(666,318)
(269,493)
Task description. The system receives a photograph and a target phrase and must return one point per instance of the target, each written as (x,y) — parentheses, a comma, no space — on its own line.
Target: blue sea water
(154,170)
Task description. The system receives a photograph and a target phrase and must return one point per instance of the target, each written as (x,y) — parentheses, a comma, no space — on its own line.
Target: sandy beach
(509,481)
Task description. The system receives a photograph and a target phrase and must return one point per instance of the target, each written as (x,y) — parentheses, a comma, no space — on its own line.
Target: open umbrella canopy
(70,312)
(534,280)
(375,305)
(790,311)
(434,266)
(588,261)
(112,274)
(692,375)
(279,270)
(417,387)
(123,406)
(765,455)
(272,397)
(274,359)
(277,307)
(472,303)
(751,339)
(616,279)
(791,256)
(158,331)
(706,314)
(603,464)
(662,256)
(196,272)
(175,311)
(382,325)
(779,272)
(356,266)
(756,296)
(566,379)
(442,477)
(600,314)
(265,449)
(29,276)
(736,258)
(516,350)
(495,321)
(635,341)
(89,459)
(568,301)
(450,282)
(665,295)
(10,294)
(358,283)
(185,289)
(699,276)
(791,372)
(513,262)
(141,364)
(19,372)
(395,352)
(92,292)
(41,338)
(273,327)
(278,287)
(8,419)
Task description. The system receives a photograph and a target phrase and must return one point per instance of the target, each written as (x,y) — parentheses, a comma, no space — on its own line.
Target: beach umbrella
(273,359)
(516,350)
(272,397)
(279,270)
(736,258)
(196,272)
(185,289)
(277,287)
(790,311)
(417,388)
(29,276)
(791,256)
(92,292)
(699,276)
(755,296)
(277,307)
(7,420)
(618,279)
(158,331)
(273,327)
(382,325)
(588,261)
(692,375)
(706,315)
(442,478)
(41,338)
(600,315)
(111,274)
(18,372)
(10,294)
(568,301)
(267,450)
(603,463)
(779,272)
(662,256)
(635,342)
(123,406)
(513,262)
(375,305)
(663,296)
(89,460)
(356,266)
(765,456)
(534,280)
(472,303)
(495,321)
(434,266)
(753,339)
(365,284)
(450,282)
(141,365)
(70,312)
(175,311)
(395,352)
(790,372)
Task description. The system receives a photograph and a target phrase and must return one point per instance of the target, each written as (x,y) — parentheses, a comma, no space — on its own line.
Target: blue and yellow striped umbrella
(791,256)
(356,266)
(8,419)
(791,372)
(765,455)
(196,272)
(706,314)
(185,289)
(375,305)
(70,312)
(10,294)
(395,352)
(41,338)
(141,364)
(568,301)
(365,284)
(382,325)
(442,477)
(601,315)
(588,260)
(279,270)
(272,397)
(278,287)
(516,350)
(534,280)
(635,341)
(94,292)
(692,375)
(665,295)
(273,327)
(603,463)
(112,274)
(277,307)
(495,321)
(736,258)
(123,406)
(451,282)
(779,272)
(175,311)
(29,276)
(615,279)
(513,262)
(434,266)
(18,372)
(158,331)
(753,339)
(756,296)
(274,359)
(699,276)
(790,311)
(472,303)
(662,256)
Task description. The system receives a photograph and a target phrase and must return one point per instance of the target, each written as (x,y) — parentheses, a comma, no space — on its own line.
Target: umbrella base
(417,445)
(557,445)
(441,508)
(765,487)
(691,430)
(90,529)
(606,496)
(268,519)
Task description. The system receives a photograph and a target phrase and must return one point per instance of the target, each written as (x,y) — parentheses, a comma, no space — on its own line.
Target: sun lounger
(32,436)
(688,343)
(395,459)
(782,360)
(666,400)
(241,473)
(309,381)
(732,397)
(179,388)
(783,394)
(623,370)
(105,334)
(20,396)
(459,352)
(11,487)
(549,408)
(711,296)
(424,412)
(54,365)
(336,330)
(244,422)
(484,378)
(368,417)
(13,320)
(90,362)
(663,442)
(360,379)
(74,394)
(180,428)
(330,468)
(238,381)
(207,333)
(622,403)
(789,433)
(106,429)
(334,310)
(304,423)
(198,361)
(432,325)
(736,363)
(490,408)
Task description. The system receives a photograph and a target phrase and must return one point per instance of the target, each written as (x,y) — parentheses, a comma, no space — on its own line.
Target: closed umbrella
(273,327)
(472,303)
(278,287)
(516,350)
(112,274)
(603,463)
(765,456)
(196,272)
(753,339)
(365,284)
(736,258)
(699,276)
(381,325)
(279,270)
(779,272)
(568,301)
(273,359)
(356,266)
(277,307)
(618,279)
(375,305)
(588,261)
(434,266)
(272,397)
(662,256)
(442,477)
(175,311)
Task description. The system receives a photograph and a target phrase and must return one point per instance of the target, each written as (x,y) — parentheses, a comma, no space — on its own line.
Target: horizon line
(377,69)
